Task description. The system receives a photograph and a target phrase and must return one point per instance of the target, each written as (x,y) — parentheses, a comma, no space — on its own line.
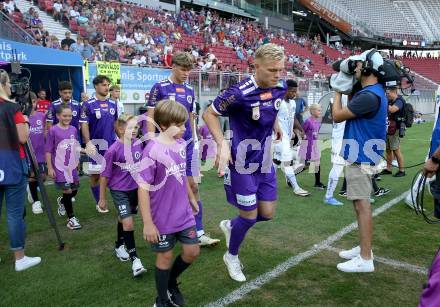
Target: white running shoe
(101,210)
(357,265)
(61,209)
(29,195)
(301,192)
(36,208)
(121,253)
(137,267)
(205,240)
(73,223)
(234,267)
(73,199)
(352,253)
(225,226)
(26,262)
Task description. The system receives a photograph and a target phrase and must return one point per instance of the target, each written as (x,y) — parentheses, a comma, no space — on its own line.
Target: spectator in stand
(42,103)
(167,47)
(10,6)
(3,9)
(167,59)
(88,52)
(78,46)
(112,54)
(57,10)
(36,24)
(74,13)
(138,60)
(67,41)
(121,37)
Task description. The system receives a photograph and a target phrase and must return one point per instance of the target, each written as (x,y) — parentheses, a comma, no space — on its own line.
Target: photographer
(363,144)
(395,107)
(14,128)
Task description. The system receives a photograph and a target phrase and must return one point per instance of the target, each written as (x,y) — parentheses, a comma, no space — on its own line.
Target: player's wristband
(435,160)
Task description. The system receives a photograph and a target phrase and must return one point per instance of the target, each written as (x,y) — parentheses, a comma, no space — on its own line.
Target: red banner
(328,15)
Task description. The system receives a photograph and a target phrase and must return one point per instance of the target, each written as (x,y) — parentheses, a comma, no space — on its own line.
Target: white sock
(333,178)
(232,257)
(290,174)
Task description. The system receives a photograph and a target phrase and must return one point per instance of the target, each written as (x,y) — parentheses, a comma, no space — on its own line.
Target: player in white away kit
(282,151)
(337,161)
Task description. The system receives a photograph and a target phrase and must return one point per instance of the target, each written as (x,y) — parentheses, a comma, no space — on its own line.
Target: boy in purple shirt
(98,116)
(309,150)
(167,203)
(250,182)
(121,163)
(176,88)
(36,138)
(65,90)
(62,157)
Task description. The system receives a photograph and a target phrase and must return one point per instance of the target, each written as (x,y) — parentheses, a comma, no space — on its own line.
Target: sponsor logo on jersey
(266,96)
(112,111)
(180,90)
(74,113)
(246,200)
(277,104)
(103,105)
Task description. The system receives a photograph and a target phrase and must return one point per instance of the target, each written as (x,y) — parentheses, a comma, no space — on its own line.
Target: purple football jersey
(252,112)
(65,150)
(36,135)
(75,106)
(101,116)
(163,167)
(122,162)
(182,93)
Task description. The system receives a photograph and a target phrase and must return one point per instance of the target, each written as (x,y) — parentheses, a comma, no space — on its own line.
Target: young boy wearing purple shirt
(167,203)
(250,183)
(36,138)
(98,116)
(62,157)
(121,164)
(175,88)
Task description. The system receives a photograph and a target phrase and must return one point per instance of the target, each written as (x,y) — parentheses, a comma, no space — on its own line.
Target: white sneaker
(352,253)
(73,199)
(234,267)
(29,195)
(301,192)
(61,209)
(205,240)
(357,265)
(101,210)
(36,208)
(137,267)
(73,223)
(121,253)
(225,226)
(26,262)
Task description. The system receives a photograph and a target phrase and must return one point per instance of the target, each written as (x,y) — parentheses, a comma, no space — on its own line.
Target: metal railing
(10,30)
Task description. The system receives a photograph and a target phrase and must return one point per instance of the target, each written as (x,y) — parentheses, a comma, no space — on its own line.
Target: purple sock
(261,218)
(199,217)
(240,226)
(95,192)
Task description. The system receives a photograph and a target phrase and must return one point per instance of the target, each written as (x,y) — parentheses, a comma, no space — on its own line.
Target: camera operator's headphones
(368,65)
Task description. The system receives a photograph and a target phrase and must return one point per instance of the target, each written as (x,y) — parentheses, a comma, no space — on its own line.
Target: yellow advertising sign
(110,69)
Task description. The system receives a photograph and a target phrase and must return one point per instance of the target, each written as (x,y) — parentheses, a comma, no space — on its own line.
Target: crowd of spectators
(138,41)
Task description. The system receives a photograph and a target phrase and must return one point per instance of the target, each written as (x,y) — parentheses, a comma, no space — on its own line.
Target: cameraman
(14,127)
(363,144)
(395,107)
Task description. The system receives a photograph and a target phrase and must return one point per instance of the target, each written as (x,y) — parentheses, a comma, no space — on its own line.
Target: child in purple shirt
(36,138)
(62,158)
(309,150)
(166,201)
(121,164)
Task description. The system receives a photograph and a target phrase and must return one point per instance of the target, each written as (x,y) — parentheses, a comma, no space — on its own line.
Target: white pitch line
(295,260)
(392,262)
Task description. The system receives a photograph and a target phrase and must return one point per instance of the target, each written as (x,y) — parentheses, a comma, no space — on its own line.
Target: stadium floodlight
(299,13)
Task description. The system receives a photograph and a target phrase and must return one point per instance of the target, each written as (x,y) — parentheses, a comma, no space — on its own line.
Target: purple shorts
(245,191)
(192,161)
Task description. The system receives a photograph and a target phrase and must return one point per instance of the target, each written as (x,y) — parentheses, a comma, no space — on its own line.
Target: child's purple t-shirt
(163,167)
(309,147)
(65,150)
(36,134)
(121,165)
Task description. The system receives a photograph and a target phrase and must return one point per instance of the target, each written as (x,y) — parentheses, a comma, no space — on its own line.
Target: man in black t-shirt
(67,41)
(395,107)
